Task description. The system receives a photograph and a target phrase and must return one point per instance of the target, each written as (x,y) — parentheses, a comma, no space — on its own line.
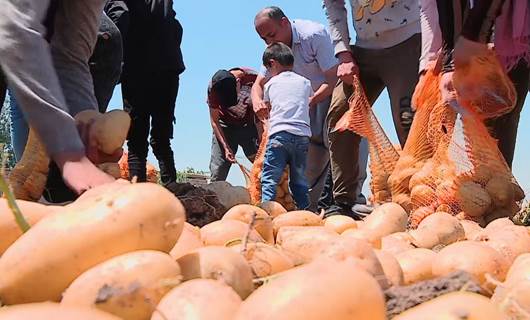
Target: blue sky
(221,35)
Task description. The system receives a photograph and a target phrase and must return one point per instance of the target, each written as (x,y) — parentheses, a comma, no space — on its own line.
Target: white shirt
(313,52)
(288,94)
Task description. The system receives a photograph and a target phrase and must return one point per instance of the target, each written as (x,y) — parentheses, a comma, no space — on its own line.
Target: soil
(401,298)
(202,206)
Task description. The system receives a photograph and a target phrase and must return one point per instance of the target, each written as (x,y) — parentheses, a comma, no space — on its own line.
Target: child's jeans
(284,149)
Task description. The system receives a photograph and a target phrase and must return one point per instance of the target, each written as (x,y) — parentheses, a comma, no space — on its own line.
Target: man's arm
(338,23)
(326,89)
(259,106)
(219,134)
(118,12)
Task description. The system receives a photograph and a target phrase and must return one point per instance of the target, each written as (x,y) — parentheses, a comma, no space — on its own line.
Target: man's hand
(229,155)
(446,87)
(347,67)
(312,102)
(79,173)
(466,49)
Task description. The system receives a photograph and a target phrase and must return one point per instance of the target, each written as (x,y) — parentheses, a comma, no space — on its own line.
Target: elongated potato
(324,289)
(9,230)
(50,310)
(41,264)
(386,219)
(299,218)
(454,305)
(262,223)
(128,286)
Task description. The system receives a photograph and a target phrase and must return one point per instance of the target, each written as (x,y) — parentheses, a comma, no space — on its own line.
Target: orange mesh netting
(417,148)
(467,176)
(484,82)
(383,156)
(253,179)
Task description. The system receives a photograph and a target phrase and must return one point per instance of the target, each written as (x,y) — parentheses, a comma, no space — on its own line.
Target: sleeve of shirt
(431,36)
(337,16)
(323,46)
(210,98)
(118,12)
(266,97)
(264,72)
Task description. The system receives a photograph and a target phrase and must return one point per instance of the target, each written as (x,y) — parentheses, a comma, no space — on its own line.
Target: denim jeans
(285,149)
(19,128)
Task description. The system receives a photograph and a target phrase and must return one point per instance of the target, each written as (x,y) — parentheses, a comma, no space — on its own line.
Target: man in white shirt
(313,59)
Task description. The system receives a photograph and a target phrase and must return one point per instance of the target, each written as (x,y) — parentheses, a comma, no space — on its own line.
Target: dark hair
(274,13)
(279,52)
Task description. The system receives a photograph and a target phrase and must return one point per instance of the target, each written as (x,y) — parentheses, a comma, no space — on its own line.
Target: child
(288,95)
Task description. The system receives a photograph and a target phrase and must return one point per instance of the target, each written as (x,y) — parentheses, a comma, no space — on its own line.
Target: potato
(473,257)
(244,213)
(141,216)
(273,208)
(9,229)
(222,232)
(422,195)
(111,129)
(121,285)
(510,241)
(417,216)
(296,218)
(198,299)
(340,223)
(218,263)
(423,176)
(416,264)
(391,267)
(471,229)
(403,200)
(190,239)
(304,243)
(439,228)
(110,168)
(264,259)
(50,310)
(397,242)
(474,199)
(386,219)
(454,305)
(500,191)
(368,235)
(344,248)
(325,289)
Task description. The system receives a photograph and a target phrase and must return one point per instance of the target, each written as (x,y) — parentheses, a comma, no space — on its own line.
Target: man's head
(277,58)
(273,26)
(226,87)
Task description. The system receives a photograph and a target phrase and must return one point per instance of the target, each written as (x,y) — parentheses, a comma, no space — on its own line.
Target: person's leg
(505,127)
(318,155)
(274,162)
(19,128)
(346,158)
(399,70)
(105,62)
(297,172)
(219,166)
(248,140)
(326,199)
(135,102)
(163,115)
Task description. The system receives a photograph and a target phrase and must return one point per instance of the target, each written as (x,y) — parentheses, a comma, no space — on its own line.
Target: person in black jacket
(150,80)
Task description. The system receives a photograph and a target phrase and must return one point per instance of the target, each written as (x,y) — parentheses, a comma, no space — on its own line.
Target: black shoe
(342,209)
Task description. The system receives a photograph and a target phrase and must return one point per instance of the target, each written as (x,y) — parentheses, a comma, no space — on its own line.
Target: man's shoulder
(307,29)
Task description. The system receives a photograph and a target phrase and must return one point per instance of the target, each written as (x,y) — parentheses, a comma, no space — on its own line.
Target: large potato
(41,264)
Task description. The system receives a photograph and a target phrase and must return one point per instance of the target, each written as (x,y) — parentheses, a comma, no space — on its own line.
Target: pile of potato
(124,251)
